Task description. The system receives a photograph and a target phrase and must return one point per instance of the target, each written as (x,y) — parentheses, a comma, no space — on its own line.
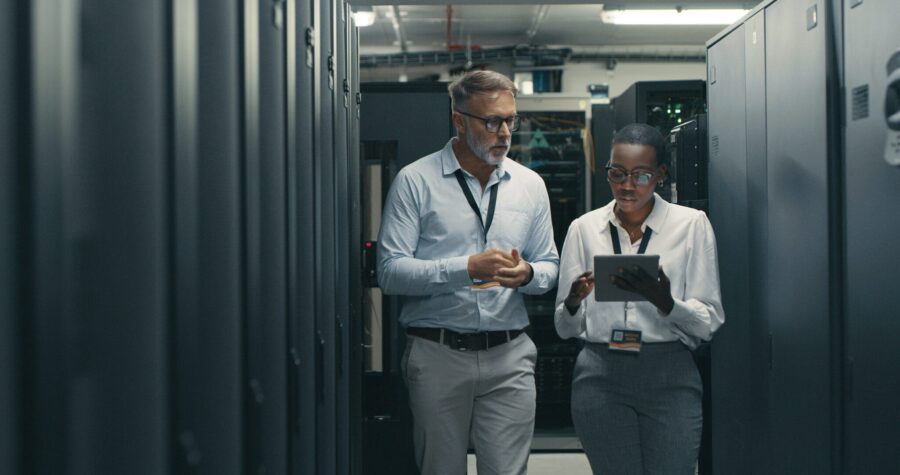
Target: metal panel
(99,193)
(797,264)
(728,206)
(872,204)
(325,243)
(341,189)
(10,276)
(603,125)
(266,200)
(755,450)
(356,259)
(206,360)
(301,295)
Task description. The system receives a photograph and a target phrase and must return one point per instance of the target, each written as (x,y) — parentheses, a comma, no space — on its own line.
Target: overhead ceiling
(424,27)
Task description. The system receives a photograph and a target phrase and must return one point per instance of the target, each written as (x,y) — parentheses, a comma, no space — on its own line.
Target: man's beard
(483,150)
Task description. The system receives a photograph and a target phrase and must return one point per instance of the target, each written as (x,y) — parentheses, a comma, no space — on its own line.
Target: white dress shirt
(683,238)
(428,231)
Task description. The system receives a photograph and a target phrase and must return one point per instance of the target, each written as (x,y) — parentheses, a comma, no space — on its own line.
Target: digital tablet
(604,266)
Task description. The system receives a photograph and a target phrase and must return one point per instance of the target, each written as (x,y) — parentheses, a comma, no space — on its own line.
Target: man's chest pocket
(511,229)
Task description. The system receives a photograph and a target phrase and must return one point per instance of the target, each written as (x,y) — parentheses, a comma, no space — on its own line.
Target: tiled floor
(550,464)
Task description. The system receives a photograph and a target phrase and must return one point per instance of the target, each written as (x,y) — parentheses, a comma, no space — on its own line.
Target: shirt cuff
(568,325)
(681,312)
(457,269)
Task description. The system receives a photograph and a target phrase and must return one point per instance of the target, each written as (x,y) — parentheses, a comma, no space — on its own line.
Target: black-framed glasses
(492,124)
(618,176)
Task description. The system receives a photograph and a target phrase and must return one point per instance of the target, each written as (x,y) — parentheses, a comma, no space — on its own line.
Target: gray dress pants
(456,396)
(638,414)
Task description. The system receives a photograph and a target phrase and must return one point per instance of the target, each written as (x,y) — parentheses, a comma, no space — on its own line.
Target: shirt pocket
(511,229)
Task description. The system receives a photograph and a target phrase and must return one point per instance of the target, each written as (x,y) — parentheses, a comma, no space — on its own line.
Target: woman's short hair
(643,134)
(478,82)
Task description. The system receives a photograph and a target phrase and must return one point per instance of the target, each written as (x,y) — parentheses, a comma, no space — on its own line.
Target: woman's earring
(659,184)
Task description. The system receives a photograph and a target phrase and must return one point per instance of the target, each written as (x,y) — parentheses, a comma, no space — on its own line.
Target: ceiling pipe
(537,22)
(399,29)
(431,58)
(451,46)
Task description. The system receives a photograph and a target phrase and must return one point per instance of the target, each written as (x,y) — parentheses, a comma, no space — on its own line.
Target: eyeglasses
(618,176)
(492,124)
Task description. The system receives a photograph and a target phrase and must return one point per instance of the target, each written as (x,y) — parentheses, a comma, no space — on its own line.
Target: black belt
(465,341)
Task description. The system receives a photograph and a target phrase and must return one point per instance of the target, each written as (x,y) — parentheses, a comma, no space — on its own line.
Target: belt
(465,341)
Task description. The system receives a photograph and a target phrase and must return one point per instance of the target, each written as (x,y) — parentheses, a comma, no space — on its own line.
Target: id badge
(625,340)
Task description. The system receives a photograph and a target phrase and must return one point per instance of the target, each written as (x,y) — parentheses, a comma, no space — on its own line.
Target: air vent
(860,102)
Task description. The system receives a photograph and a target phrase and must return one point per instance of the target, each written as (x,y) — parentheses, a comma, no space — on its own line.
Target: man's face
(631,158)
(488,146)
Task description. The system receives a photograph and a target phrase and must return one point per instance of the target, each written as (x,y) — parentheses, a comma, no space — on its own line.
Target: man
(465,232)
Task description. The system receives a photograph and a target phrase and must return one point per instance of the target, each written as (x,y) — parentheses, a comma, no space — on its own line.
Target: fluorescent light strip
(672,17)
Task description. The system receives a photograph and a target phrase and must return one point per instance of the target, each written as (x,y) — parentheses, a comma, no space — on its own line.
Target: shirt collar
(655,220)
(449,162)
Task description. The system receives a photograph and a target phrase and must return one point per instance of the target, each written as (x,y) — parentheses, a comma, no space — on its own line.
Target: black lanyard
(471,199)
(614,235)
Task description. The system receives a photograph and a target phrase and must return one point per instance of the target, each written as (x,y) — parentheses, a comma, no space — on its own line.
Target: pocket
(407,352)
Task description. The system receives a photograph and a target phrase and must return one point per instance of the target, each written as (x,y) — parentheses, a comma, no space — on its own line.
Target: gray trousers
(486,397)
(638,414)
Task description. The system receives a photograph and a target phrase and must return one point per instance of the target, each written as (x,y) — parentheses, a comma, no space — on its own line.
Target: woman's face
(634,159)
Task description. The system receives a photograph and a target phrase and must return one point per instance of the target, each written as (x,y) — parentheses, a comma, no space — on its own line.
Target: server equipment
(400,123)
(688,163)
(800,109)
(180,210)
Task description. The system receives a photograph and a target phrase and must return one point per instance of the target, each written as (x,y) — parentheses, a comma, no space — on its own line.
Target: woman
(639,412)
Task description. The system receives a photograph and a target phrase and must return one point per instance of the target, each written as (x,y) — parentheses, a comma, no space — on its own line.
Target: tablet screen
(605,266)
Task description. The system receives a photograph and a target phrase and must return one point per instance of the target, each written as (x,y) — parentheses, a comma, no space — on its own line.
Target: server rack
(167,205)
(603,126)
(871,43)
(661,104)
(793,296)
(419,124)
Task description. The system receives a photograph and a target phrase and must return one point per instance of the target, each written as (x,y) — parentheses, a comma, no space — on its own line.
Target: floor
(550,464)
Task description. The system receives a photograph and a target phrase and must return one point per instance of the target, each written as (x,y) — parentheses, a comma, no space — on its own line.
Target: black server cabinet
(343,244)
(778,217)
(661,104)
(355,324)
(302,342)
(96,192)
(399,123)
(205,347)
(728,208)
(872,201)
(326,246)
(11,271)
(603,126)
(265,201)
(799,272)
(688,163)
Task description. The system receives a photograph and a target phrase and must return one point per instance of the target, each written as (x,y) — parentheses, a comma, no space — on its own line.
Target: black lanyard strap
(617,248)
(471,199)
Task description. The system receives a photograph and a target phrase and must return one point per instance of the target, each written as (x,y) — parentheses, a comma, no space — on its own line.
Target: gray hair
(478,82)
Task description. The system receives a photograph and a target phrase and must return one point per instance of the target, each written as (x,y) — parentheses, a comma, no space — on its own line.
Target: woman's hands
(657,291)
(581,288)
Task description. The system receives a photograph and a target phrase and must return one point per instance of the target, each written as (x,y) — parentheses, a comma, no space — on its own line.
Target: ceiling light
(364,16)
(672,17)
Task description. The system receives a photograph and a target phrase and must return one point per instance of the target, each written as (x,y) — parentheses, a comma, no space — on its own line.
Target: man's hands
(507,268)
(656,290)
(581,288)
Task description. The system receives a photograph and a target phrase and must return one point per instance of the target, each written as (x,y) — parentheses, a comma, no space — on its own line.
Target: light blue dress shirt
(428,231)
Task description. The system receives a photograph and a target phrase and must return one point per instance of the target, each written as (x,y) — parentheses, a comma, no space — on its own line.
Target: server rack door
(325,245)
(754,421)
(872,68)
(797,265)
(301,207)
(98,198)
(206,344)
(356,272)
(266,235)
(728,213)
(11,276)
(341,191)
